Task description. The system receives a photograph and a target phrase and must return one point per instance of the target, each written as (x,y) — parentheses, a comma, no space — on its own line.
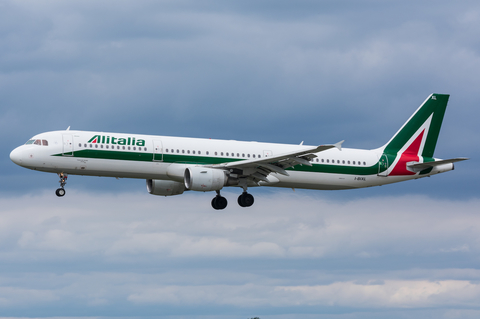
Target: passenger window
(199,152)
(79,144)
(328,161)
(343,162)
(188,151)
(193,152)
(178,151)
(183,151)
(226,154)
(215,153)
(322,160)
(123,147)
(238,155)
(221,153)
(101,146)
(107,147)
(129,148)
(243,155)
(248,155)
(353,162)
(145,149)
(96,145)
(253,155)
(207,153)
(85,145)
(364,163)
(348,162)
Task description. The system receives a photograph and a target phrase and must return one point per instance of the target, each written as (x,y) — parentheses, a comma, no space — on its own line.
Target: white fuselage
(166,158)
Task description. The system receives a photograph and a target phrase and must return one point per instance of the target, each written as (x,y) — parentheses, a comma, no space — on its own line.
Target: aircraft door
(157,151)
(67,145)
(383,166)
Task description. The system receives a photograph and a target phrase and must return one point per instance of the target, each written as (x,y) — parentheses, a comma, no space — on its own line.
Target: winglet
(339,145)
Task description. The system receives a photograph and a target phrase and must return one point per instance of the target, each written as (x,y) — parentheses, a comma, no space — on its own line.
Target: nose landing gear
(63,180)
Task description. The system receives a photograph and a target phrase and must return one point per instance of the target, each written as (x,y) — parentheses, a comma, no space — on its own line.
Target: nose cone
(16,156)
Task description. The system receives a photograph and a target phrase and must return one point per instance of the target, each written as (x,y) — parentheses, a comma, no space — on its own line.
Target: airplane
(173,165)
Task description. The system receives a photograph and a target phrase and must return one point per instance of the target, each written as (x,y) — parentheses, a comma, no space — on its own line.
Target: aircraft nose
(16,156)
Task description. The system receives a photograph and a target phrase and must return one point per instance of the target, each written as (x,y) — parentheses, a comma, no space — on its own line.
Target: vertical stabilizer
(420,133)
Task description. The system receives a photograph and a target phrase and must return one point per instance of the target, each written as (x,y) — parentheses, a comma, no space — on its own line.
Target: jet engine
(164,188)
(204,179)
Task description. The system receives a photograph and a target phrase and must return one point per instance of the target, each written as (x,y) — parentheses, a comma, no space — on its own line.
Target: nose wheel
(63,180)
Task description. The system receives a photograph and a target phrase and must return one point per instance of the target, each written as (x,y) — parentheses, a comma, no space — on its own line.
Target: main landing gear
(219,202)
(245,200)
(63,180)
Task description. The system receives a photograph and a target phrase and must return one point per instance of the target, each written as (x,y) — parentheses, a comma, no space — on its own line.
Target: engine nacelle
(204,179)
(164,188)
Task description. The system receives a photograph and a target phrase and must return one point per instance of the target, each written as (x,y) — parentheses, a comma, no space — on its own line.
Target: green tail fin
(423,126)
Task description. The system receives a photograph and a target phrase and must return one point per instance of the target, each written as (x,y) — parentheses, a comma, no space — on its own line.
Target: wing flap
(290,156)
(259,169)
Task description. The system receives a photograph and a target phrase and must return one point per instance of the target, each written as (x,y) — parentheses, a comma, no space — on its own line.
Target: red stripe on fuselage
(410,155)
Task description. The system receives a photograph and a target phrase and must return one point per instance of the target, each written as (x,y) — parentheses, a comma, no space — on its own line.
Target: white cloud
(389,294)
(202,251)
(278,226)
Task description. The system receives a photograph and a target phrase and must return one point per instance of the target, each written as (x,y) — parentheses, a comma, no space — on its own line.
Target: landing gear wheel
(219,202)
(60,192)
(245,200)
(63,181)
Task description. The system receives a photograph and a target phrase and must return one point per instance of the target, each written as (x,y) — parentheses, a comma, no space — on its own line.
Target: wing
(258,169)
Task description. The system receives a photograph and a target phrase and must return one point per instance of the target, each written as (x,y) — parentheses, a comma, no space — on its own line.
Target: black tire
(219,202)
(240,201)
(245,200)
(248,200)
(60,192)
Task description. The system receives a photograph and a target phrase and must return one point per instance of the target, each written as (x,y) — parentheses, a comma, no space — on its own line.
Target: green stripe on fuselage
(210,160)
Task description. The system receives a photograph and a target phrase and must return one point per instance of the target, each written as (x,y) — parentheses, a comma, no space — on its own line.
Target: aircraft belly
(320,181)
(327,181)
(108,168)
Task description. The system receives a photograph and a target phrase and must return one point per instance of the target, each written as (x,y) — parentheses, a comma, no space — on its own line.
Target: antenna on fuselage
(68,128)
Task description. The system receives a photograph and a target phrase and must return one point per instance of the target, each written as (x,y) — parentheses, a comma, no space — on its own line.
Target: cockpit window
(37,142)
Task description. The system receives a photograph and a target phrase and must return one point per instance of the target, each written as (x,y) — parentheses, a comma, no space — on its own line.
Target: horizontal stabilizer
(422,166)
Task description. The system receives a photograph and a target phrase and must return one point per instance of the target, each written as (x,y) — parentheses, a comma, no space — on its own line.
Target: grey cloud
(318,71)
(284,252)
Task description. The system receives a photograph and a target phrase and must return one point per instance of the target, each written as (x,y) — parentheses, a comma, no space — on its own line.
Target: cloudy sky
(270,71)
